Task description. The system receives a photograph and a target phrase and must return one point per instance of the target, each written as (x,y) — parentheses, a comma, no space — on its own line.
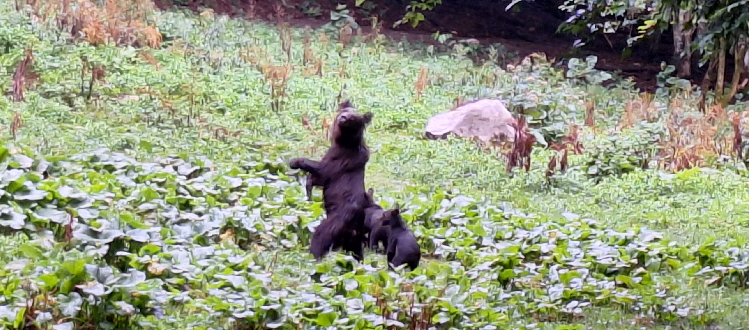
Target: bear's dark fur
(402,245)
(378,232)
(341,174)
(373,212)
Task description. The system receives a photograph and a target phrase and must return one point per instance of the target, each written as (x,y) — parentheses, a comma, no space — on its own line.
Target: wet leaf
(64,326)
(21,161)
(30,194)
(53,215)
(73,305)
(11,219)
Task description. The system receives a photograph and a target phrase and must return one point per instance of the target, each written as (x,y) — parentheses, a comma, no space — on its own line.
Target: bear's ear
(367,117)
(400,208)
(397,210)
(345,105)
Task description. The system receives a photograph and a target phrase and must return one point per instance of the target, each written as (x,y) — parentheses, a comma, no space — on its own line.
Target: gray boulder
(486,119)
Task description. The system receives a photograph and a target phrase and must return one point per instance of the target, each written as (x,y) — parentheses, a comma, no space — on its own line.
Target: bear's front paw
(296,163)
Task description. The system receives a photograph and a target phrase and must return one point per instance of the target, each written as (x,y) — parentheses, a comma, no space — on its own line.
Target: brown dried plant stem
(286,40)
(590,115)
(737,138)
(121,22)
(522,146)
(308,56)
(421,82)
(15,124)
(19,75)
(277,77)
(560,158)
(97,73)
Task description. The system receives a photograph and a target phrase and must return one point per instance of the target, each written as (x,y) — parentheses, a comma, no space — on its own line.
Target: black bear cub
(341,174)
(378,231)
(402,247)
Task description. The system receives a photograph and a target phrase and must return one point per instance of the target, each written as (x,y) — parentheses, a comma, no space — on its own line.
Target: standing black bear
(402,247)
(341,173)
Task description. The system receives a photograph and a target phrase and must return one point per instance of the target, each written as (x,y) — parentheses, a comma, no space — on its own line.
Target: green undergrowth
(114,240)
(163,200)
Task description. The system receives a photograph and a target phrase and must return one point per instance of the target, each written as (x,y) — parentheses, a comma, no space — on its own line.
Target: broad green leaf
(31,251)
(50,280)
(53,215)
(326,319)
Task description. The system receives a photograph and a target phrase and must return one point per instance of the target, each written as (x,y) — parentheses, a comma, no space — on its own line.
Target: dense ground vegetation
(145,184)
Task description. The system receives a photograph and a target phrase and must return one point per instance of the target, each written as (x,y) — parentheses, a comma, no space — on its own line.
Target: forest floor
(531,29)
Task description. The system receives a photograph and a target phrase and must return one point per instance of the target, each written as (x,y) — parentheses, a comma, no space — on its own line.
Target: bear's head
(392,218)
(349,125)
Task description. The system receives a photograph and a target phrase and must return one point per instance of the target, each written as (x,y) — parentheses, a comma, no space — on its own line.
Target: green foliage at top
(163,201)
(712,30)
(716,19)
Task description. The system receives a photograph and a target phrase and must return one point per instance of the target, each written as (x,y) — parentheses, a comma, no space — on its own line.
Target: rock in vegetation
(485,119)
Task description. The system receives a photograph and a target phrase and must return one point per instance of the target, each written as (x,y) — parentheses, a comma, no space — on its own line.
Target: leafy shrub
(585,72)
(623,152)
(550,105)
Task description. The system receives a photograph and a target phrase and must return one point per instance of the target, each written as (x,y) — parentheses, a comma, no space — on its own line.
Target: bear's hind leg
(324,237)
(354,244)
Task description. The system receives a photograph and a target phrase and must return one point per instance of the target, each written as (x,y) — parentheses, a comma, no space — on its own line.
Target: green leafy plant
(310,8)
(625,152)
(586,71)
(165,200)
